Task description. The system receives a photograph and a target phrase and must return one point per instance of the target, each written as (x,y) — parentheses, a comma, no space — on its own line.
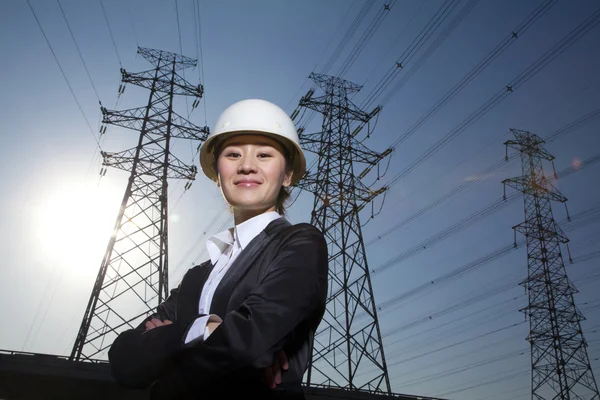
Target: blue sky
(57,214)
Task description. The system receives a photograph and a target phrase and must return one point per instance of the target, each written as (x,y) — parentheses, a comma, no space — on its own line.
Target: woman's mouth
(247,183)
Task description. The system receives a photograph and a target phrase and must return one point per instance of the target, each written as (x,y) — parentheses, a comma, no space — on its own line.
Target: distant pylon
(560,367)
(348,350)
(133,276)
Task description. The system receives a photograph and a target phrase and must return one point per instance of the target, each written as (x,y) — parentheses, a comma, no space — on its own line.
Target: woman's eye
(264,155)
(232,154)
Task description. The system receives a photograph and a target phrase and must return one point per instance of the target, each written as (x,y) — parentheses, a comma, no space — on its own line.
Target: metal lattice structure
(348,350)
(133,276)
(560,365)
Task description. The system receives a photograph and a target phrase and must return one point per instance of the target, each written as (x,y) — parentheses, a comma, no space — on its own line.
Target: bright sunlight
(74,221)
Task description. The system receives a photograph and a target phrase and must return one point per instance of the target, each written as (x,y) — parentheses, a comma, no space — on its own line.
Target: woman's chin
(247,205)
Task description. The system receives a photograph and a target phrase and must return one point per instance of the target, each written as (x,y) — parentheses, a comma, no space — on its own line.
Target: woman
(251,310)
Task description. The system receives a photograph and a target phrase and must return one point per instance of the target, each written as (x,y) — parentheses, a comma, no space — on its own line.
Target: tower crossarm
(151,162)
(134,118)
(312,142)
(162,83)
(323,105)
(356,151)
(539,187)
(529,143)
(362,154)
(356,191)
(327,81)
(542,229)
(161,57)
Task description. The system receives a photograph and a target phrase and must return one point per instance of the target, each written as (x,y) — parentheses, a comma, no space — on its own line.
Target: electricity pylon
(348,350)
(133,276)
(560,367)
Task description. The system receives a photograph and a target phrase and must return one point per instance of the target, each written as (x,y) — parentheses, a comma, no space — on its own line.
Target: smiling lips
(247,183)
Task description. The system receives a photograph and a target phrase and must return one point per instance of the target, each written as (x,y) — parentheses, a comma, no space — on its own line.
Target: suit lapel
(239,267)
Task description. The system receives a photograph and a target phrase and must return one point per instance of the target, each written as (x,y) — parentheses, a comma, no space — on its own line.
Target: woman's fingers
(273,374)
(276,374)
(283,361)
(155,323)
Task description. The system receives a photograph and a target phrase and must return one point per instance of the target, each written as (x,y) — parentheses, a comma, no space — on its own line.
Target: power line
(187,105)
(78,51)
(488,382)
(449,276)
(485,293)
(470,350)
(586,257)
(178,27)
(357,49)
(132,23)
(452,330)
(517,82)
(482,175)
(456,331)
(463,368)
(400,35)
(478,68)
(470,219)
(419,41)
(348,36)
(463,223)
(446,347)
(593,212)
(64,76)
(324,51)
(430,50)
(110,32)
(201,71)
(366,37)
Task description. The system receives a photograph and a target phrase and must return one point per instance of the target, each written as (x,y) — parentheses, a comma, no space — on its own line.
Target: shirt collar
(248,230)
(243,234)
(217,244)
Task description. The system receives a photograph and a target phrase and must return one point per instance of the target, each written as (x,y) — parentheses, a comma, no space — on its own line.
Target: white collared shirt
(223,249)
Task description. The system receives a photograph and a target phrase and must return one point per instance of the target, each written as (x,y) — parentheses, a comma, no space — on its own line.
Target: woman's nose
(247,164)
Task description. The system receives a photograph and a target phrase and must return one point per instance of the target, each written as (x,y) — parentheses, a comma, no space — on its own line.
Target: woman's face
(251,171)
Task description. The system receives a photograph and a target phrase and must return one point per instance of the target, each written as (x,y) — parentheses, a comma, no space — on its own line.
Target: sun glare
(73,224)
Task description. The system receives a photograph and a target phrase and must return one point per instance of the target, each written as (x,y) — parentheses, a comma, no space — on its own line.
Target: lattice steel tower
(133,276)
(560,365)
(348,352)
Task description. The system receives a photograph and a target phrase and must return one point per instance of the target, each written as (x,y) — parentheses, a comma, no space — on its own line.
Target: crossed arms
(250,336)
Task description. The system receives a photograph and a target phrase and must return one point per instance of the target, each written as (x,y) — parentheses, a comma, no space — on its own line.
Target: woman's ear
(287,179)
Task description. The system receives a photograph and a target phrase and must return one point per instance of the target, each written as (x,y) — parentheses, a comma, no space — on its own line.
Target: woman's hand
(155,323)
(212,325)
(273,373)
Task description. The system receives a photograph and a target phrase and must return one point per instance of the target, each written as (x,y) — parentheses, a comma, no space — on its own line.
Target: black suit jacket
(272,298)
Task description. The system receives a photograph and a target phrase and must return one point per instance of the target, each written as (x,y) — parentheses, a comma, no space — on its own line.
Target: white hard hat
(254,116)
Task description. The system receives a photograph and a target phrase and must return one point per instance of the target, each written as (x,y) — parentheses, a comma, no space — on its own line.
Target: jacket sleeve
(293,287)
(137,356)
